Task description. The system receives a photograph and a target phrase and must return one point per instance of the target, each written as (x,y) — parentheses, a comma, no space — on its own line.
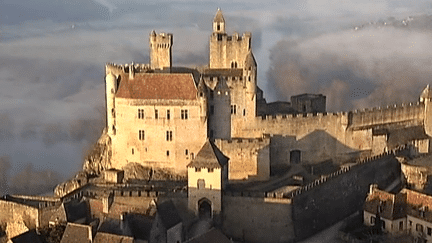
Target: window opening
(141,135)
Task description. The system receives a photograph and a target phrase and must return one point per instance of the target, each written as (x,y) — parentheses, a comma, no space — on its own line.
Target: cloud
(354,69)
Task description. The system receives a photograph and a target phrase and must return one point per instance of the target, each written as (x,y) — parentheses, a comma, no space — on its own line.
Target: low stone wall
(257,219)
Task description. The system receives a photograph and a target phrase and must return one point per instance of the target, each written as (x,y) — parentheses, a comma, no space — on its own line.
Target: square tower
(160,50)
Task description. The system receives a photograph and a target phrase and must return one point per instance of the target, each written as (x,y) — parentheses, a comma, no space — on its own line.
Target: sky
(362,53)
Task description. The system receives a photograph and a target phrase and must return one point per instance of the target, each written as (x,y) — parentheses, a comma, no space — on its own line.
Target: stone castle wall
(249,158)
(305,211)
(404,113)
(155,150)
(257,219)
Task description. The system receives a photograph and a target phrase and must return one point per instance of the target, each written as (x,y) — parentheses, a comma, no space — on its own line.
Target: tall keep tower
(160,50)
(227,51)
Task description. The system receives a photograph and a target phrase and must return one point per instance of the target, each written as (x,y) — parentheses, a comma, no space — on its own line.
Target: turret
(202,97)
(160,50)
(250,82)
(111,89)
(220,111)
(426,98)
(219,23)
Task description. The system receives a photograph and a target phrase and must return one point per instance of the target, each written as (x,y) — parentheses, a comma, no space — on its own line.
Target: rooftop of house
(424,161)
(75,233)
(29,236)
(103,237)
(168,214)
(212,236)
(170,86)
(140,225)
(209,157)
(394,206)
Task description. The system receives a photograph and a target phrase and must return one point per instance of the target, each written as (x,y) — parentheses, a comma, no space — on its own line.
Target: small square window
(210,170)
(197,169)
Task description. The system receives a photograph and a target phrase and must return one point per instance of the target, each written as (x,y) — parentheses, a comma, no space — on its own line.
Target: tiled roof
(76,233)
(77,211)
(209,157)
(406,135)
(140,225)
(29,236)
(395,206)
(168,214)
(176,86)
(212,236)
(103,237)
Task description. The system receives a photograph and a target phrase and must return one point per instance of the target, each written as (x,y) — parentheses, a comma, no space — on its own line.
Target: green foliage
(52,234)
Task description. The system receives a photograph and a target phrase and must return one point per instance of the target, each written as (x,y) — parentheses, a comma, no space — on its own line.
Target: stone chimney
(373,188)
(131,71)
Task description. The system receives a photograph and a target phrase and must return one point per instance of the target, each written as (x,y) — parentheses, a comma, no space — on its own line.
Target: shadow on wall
(313,148)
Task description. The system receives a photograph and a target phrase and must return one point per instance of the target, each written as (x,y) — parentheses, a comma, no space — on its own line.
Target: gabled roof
(140,225)
(175,86)
(114,226)
(209,157)
(29,236)
(219,17)
(77,211)
(212,236)
(168,214)
(103,237)
(76,233)
(387,205)
(405,135)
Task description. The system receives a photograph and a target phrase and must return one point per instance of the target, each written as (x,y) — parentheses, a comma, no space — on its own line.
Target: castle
(213,124)
(160,116)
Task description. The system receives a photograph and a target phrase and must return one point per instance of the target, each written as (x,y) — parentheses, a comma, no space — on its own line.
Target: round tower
(220,111)
(426,98)
(110,89)
(250,82)
(202,97)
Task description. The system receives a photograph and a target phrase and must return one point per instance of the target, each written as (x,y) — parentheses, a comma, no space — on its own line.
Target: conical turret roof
(221,85)
(250,60)
(219,17)
(426,93)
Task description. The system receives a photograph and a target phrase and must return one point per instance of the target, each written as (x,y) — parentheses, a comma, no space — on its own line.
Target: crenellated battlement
(124,68)
(245,141)
(314,184)
(384,115)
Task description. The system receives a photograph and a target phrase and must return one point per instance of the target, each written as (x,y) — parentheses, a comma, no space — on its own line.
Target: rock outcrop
(62,189)
(99,157)
(135,171)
